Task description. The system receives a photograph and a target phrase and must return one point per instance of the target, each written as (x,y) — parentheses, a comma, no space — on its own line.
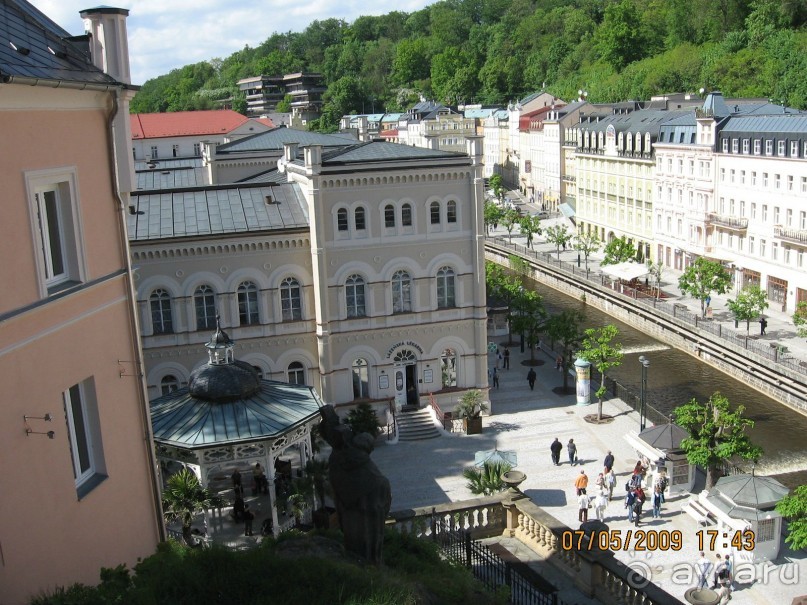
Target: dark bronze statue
(362,494)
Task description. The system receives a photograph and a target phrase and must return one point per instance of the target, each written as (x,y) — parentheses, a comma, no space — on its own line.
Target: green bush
(363,419)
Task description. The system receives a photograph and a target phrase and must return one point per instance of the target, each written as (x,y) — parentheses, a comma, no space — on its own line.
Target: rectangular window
(197,149)
(802,220)
(764,213)
(735,145)
(692,167)
(790,182)
(757,146)
(753,178)
(776,215)
(742,177)
(722,175)
(753,210)
(766,530)
(751,245)
(175,151)
(731,175)
(775,251)
(794,149)
(762,248)
(764,179)
(725,145)
(742,208)
(84,435)
(154,153)
(746,143)
(780,148)
(768,147)
(789,217)
(56,227)
(777,181)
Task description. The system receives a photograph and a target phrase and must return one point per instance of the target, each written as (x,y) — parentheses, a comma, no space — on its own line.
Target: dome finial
(220,347)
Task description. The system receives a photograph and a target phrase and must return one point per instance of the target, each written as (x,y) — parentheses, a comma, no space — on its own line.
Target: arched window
(448,368)
(296,373)
(354,296)
(341,219)
(434,213)
(169,384)
(204,301)
(248,303)
(161,317)
(358,217)
(406,215)
(401,292)
(451,211)
(389,216)
(445,288)
(290,302)
(361,381)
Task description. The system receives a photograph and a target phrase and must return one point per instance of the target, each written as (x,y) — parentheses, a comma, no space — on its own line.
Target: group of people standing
(722,572)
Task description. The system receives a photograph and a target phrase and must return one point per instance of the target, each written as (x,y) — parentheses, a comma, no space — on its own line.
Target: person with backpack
(638,502)
(630,498)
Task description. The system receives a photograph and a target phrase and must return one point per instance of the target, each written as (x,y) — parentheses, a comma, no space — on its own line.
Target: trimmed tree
(599,351)
(749,304)
(564,328)
(560,236)
(493,216)
(793,507)
(529,316)
(800,318)
(716,434)
(656,271)
(618,250)
(702,278)
(497,184)
(510,218)
(530,227)
(587,244)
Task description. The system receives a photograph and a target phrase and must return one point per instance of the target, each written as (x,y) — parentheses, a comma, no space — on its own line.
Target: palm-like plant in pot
(470,407)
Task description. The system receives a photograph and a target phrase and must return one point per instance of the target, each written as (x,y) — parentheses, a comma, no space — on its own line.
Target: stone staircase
(416,424)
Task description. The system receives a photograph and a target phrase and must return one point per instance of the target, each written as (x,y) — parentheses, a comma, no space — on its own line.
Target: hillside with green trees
(494,51)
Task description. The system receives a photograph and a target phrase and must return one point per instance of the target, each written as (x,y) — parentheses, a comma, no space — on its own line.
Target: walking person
(702,567)
(506,358)
(657,502)
(582,504)
(661,483)
(600,482)
(630,498)
(600,502)
(248,518)
(608,462)
(720,572)
(559,363)
(581,483)
(498,359)
(531,376)
(555,449)
(495,378)
(571,448)
(638,502)
(763,323)
(610,481)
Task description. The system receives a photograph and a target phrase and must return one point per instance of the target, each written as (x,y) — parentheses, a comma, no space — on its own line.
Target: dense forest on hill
(494,51)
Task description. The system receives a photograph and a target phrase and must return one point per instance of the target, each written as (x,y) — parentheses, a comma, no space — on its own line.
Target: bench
(697,511)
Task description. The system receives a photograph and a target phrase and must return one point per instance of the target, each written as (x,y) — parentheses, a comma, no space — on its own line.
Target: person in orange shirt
(581,482)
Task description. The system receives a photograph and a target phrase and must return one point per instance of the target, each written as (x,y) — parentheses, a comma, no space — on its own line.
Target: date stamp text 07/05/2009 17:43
(652,540)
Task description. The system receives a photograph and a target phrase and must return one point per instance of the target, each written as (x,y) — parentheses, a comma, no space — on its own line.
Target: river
(675,377)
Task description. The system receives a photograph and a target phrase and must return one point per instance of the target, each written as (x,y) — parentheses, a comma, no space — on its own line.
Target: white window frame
(64,183)
(84,435)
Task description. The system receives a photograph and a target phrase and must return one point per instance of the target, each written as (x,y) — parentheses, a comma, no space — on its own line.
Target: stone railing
(483,517)
(732,222)
(593,572)
(798,236)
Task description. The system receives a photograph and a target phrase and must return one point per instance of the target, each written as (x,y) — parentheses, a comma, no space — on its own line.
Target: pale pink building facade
(80,490)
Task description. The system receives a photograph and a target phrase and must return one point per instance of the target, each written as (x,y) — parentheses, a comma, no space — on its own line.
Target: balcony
(729,222)
(797,236)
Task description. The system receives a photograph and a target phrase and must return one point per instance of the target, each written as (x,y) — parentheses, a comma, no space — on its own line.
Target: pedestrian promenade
(426,473)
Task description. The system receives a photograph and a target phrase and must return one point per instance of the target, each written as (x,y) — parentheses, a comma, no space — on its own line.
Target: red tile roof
(187,123)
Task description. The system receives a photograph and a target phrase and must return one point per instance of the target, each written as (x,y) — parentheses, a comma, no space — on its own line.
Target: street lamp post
(645,364)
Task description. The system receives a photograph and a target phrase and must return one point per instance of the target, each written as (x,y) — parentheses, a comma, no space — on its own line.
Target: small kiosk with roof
(227,418)
(660,447)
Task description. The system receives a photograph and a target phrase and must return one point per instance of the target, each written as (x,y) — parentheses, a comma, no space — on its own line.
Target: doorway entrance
(406,386)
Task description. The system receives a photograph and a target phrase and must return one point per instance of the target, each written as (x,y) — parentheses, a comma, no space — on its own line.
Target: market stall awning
(627,271)
(566,210)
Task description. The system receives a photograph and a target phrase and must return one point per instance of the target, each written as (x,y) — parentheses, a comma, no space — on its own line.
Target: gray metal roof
(380,151)
(664,437)
(181,420)
(643,120)
(43,50)
(161,178)
(275,139)
(168,163)
(215,210)
(271,177)
(751,490)
(783,123)
(732,510)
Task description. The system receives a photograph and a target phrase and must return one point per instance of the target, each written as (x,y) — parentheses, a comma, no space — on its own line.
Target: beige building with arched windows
(358,270)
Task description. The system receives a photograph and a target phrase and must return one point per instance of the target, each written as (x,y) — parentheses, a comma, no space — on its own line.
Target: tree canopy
(494,51)
(702,278)
(600,351)
(716,434)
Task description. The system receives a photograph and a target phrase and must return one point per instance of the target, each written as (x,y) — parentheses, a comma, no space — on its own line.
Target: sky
(167,34)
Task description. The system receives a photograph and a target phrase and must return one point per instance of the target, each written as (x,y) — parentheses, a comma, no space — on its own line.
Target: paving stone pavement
(426,473)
